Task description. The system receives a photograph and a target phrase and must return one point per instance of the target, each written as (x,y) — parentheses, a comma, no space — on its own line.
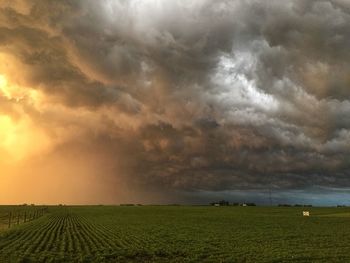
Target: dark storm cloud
(220,94)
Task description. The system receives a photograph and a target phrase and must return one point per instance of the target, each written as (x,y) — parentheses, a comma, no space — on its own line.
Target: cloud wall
(143,101)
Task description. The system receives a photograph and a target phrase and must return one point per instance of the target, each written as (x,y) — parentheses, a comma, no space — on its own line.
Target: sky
(107,102)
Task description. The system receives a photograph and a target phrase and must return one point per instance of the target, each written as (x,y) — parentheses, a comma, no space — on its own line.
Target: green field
(179,234)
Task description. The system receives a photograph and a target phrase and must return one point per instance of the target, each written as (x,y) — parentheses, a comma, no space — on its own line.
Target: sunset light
(176,101)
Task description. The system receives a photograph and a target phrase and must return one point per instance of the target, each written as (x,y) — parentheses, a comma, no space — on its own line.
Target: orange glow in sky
(19,138)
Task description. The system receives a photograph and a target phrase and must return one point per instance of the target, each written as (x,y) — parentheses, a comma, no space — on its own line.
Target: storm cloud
(170,97)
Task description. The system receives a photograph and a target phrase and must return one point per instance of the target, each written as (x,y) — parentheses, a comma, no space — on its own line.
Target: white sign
(306,213)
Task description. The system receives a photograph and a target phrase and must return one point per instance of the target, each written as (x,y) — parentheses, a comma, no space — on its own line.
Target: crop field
(179,234)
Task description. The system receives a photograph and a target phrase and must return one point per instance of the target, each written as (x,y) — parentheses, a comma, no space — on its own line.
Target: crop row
(66,232)
(63,232)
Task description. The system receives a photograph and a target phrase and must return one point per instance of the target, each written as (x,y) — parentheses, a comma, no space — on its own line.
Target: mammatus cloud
(142,100)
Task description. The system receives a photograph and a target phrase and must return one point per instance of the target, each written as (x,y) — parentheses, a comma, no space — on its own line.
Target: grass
(180,234)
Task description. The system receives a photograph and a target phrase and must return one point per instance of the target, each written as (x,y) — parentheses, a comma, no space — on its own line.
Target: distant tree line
(302,205)
(227,203)
(296,205)
(130,204)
